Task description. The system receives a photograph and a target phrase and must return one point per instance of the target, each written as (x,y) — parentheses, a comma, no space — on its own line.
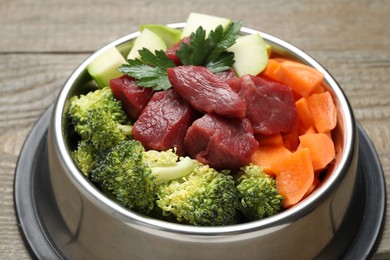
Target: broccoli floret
(85,156)
(258,194)
(123,173)
(132,174)
(99,118)
(205,197)
(160,159)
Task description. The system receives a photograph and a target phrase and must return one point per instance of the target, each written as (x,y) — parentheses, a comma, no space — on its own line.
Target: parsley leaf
(224,62)
(158,59)
(220,59)
(197,51)
(211,51)
(150,71)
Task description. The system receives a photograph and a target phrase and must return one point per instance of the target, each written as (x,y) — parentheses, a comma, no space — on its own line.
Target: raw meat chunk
(133,98)
(164,122)
(205,91)
(270,105)
(222,143)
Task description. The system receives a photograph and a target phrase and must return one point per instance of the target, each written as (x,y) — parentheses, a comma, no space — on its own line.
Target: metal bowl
(101,229)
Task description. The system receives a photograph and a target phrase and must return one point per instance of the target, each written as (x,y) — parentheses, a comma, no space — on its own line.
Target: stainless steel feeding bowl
(99,228)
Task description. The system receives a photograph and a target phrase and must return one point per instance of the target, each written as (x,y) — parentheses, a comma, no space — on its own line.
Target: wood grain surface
(42,42)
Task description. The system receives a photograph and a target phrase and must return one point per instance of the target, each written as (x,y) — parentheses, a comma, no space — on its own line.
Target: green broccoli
(99,118)
(205,197)
(132,174)
(85,156)
(101,123)
(258,194)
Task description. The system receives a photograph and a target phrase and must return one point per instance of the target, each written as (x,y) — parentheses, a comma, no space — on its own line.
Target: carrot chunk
(304,113)
(266,156)
(310,130)
(321,148)
(275,139)
(318,89)
(294,176)
(274,71)
(323,111)
(301,78)
(313,186)
(291,140)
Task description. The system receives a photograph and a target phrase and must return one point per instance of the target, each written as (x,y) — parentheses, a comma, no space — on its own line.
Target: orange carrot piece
(310,130)
(291,140)
(302,79)
(321,148)
(275,139)
(318,89)
(294,176)
(323,110)
(314,185)
(304,113)
(266,156)
(274,71)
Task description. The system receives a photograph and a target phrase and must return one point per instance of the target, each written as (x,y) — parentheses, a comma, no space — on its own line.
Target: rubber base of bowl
(42,226)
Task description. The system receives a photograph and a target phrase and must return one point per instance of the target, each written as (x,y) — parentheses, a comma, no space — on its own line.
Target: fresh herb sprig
(210,52)
(150,70)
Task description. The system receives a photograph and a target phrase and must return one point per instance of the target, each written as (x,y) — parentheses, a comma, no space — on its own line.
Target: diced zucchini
(208,23)
(168,34)
(104,67)
(250,55)
(149,40)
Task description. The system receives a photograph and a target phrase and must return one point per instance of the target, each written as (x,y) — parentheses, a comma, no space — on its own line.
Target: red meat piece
(271,105)
(133,98)
(235,83)
(226,75)
(222,143)
(164,122)
(171,52)
(205,91)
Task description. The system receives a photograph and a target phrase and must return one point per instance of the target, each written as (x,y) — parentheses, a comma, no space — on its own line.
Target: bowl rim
(137,220)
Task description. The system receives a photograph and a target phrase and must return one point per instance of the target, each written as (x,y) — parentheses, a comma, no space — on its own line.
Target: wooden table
(41,42)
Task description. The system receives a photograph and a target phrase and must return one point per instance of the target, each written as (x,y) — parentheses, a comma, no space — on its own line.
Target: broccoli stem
(126,129)
(166,173)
